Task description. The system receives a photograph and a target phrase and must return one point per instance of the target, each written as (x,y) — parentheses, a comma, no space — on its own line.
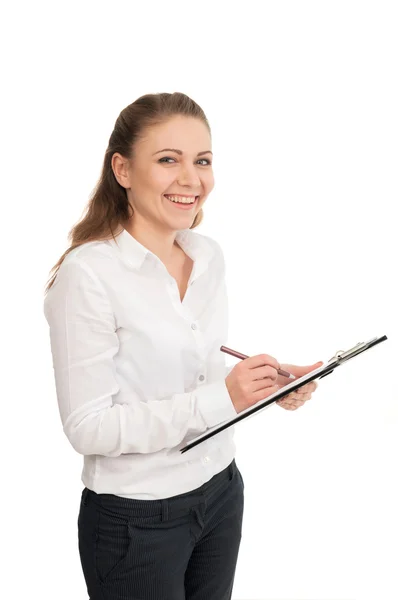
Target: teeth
(181,199)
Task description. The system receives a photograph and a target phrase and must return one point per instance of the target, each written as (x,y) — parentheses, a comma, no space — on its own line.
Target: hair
(107,209)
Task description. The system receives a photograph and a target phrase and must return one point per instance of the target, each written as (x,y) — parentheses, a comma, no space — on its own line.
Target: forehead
(184,133)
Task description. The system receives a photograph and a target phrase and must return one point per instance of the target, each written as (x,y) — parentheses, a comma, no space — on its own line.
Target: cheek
(208,182)
(158,179)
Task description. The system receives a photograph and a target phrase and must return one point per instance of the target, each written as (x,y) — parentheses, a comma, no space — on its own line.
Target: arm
(83,343)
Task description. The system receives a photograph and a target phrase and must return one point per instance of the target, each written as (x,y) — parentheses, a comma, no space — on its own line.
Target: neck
(164,246)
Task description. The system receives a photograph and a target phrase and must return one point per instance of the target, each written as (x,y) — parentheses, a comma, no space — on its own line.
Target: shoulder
(94,256)
(217,253)
(208,242)
(85,265)
(91,251)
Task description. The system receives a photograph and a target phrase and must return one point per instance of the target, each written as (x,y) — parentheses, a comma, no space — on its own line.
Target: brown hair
(107,209)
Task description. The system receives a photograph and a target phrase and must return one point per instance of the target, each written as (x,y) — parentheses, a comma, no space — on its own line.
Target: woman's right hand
(252,380)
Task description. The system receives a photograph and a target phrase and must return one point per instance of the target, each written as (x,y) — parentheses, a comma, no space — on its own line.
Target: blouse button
(201,377)
(193,326)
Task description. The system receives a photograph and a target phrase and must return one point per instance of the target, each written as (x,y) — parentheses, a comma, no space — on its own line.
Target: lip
(183,195)
(182,206)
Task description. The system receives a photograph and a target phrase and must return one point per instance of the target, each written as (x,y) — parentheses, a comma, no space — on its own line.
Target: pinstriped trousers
(180,548)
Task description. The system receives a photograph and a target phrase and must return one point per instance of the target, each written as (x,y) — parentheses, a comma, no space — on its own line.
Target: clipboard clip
(342,355)
(337,356)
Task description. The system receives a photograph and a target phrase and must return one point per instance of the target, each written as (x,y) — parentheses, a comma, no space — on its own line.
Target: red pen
(240,355)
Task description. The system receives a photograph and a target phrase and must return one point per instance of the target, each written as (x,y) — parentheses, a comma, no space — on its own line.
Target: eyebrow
(180,151)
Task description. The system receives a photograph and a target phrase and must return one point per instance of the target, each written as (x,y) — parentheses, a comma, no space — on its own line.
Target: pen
(240,355)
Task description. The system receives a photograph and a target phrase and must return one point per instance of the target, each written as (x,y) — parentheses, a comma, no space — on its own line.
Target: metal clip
(342,354)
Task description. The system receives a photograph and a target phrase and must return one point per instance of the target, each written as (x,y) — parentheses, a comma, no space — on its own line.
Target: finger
(303,397)
(260,360)
(284,401)
(299,403)
(284,405)
(292,403)
(296,405)
(308,387)
(294,397)
(264,372)
(262,384)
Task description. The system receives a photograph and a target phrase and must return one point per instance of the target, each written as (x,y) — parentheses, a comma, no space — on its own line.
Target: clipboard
(340,358)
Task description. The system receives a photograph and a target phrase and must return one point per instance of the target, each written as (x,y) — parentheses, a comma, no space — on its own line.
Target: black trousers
(180,548)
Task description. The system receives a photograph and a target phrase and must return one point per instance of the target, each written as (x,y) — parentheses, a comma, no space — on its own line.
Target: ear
(120,168)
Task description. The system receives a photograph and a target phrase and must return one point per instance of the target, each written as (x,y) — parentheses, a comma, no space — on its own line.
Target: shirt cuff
(214,403)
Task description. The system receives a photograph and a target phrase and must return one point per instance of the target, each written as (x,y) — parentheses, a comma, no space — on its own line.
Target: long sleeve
(84,343)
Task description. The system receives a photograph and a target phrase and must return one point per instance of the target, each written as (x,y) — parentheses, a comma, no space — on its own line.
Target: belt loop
(84,496)
(165,509)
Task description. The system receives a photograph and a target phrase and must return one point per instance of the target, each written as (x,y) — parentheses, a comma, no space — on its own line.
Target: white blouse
(138,372)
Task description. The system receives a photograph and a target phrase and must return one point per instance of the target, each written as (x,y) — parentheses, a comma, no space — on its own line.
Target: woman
(137,313)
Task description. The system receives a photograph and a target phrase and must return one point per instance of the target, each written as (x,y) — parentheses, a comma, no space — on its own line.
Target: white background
(302,99)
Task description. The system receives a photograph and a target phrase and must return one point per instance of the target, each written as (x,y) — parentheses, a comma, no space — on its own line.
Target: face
(185,169)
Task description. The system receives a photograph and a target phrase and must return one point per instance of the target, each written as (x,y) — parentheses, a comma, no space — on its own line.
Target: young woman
(137,310)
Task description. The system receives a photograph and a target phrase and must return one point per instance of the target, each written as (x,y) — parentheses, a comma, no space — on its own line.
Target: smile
(182,202)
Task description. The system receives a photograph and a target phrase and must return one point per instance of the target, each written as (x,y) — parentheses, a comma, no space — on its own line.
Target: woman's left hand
(297,398)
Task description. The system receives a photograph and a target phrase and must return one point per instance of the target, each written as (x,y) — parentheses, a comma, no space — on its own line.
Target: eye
(165,158)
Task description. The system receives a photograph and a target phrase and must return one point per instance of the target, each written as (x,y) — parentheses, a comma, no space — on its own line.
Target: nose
(189,177)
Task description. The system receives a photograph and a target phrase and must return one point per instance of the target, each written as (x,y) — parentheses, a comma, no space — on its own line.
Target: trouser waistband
(165,508)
